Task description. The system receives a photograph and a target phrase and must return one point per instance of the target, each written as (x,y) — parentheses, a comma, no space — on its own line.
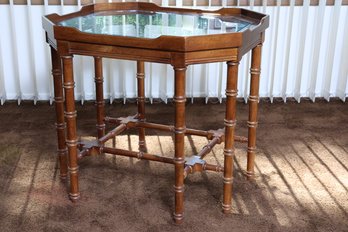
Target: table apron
(148,55)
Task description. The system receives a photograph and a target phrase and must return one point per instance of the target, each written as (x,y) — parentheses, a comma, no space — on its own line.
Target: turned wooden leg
(141,103)
(59,105)
(230,123)
(253,105)
(70,118)
(99,101)
(179,127)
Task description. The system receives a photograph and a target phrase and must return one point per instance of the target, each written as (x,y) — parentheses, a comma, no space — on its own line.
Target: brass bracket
(88,148)
(193,164)
(219,133)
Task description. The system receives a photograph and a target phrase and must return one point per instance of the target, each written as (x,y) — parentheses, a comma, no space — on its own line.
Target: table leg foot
(226,209)
(178,218)
(63,177)
(74,197)
(249,175)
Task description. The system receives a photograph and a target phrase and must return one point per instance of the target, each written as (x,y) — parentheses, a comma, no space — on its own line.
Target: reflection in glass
(154,24)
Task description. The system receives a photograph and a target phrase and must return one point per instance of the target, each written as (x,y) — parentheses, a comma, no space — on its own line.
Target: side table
(145,32)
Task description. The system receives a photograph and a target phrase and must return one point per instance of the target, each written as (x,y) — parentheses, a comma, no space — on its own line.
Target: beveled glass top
(146,24)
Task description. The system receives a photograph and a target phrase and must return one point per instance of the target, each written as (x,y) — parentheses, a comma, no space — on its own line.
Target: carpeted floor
(301,165)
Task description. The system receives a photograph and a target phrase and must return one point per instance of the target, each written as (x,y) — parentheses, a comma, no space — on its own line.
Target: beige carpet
(301,184)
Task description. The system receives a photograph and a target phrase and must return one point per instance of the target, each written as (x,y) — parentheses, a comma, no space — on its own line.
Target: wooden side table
(137,31)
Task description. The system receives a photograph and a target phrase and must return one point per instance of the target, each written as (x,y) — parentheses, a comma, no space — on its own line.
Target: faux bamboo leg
(141,103)
(70,118)
(253,107)
(59,105)
(99,102)
(179,127)
(230,123)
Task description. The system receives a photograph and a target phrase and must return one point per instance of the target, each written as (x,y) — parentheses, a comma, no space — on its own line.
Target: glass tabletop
(145,24)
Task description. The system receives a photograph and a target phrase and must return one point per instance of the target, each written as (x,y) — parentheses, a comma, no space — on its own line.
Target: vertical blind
(305,54)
